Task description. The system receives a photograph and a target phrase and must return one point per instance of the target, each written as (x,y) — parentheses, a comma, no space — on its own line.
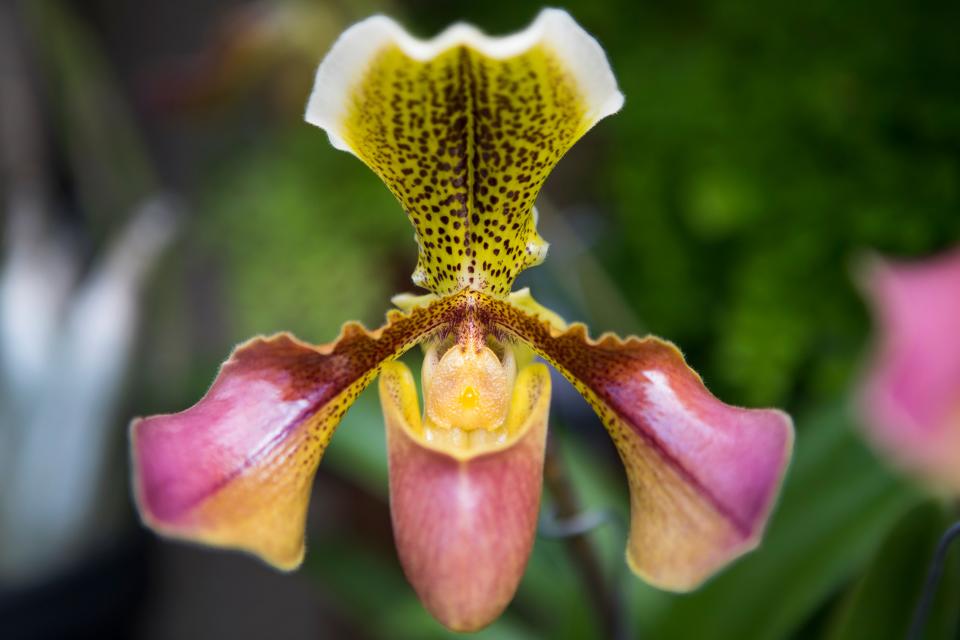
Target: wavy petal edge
(347,60)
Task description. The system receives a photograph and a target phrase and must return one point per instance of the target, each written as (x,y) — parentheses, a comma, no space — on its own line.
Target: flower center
(467,390)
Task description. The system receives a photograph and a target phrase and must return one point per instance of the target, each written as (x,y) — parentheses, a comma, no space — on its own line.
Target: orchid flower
(910,397)
(464,129)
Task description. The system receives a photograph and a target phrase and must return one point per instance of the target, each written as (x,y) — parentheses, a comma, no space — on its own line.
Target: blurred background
(163,200)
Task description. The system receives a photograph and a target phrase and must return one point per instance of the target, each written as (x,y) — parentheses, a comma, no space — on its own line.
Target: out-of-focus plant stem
(922,612)
(606,601)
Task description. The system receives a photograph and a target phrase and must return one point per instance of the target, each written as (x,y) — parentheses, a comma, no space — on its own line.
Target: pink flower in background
(911,397)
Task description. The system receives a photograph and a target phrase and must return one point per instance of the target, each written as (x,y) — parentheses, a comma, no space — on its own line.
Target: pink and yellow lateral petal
(464,129)
(235,469)
(703,475)
(911,395)
(465,525)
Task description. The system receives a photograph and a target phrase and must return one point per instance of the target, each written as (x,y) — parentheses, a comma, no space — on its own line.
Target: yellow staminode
(467,387)
(464,129)
(523,403)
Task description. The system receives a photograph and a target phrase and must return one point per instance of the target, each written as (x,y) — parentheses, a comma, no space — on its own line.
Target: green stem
(605,600)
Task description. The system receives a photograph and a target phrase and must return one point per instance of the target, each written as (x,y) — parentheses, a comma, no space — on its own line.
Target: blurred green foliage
(875,606)
(308,241)
(763,148)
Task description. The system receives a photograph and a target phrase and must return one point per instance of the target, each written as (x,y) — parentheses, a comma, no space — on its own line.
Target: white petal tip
(353,51)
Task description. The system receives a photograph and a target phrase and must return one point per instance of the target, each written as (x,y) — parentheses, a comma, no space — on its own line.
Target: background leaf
(883,601)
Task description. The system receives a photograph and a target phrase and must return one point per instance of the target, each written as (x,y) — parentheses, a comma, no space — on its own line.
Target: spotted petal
(911,395)
(703,475)
(235,469)
(464,129)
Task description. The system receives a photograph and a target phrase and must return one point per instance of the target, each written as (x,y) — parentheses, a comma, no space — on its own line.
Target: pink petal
(239,461)
(911,395)
(703,475)
(235,469)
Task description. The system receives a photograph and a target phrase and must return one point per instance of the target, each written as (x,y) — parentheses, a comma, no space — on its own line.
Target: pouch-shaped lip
(465,525)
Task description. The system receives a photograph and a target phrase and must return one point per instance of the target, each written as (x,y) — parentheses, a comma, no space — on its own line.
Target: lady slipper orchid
(910,398)
(464,129)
